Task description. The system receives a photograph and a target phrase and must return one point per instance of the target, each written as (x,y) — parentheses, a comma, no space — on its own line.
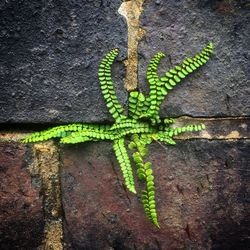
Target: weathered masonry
(72,197)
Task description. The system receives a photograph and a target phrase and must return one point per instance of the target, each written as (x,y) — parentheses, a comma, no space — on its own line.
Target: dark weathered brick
(49,57)
(21,213)
(201,196)
(181,29)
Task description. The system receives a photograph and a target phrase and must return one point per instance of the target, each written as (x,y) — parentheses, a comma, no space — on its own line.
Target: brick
(21,212)
(201,197)
(181,29)
(50,54)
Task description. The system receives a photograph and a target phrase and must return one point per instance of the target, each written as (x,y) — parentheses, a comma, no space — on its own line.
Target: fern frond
(94,133)
(107,87)
(129,126)
(144,172)
(152,68)
(164,137)
(139,143)
(76,138)
(146,138)
(58,131)
(148,195)
(175,75)
(127,123)
(169,121)
(139,166)
(137,128)
(159,88)
(155,93)
(188,128)
(136,104)
(123,159)
(168,133)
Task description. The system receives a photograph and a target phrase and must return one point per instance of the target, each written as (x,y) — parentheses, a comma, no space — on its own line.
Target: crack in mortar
(220,128)
(132,10)
(216,128)
(46,166)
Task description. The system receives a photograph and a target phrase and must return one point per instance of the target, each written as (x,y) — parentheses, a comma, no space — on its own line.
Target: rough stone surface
(49,57)
(21,213)
(202,198)
(182,29)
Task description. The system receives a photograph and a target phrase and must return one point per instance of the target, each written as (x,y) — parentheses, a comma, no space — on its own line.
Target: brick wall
(73,197)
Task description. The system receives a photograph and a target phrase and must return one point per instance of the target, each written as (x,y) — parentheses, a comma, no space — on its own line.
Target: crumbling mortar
(46,166)
(236,128)
(210,133)
(132,10)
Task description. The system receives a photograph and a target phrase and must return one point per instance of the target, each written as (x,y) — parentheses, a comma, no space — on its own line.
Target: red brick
(200,187)
(21,212)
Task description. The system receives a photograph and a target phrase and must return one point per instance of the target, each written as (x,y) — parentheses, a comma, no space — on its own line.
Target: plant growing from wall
(142,125)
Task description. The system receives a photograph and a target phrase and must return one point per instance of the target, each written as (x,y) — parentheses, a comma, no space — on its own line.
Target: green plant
(142,125)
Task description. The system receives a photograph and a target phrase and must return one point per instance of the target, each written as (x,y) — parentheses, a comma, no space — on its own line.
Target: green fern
(123,159)
(145,173)
(155,93)
(136,104)
(107,86)
(162,86)
(142,125)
